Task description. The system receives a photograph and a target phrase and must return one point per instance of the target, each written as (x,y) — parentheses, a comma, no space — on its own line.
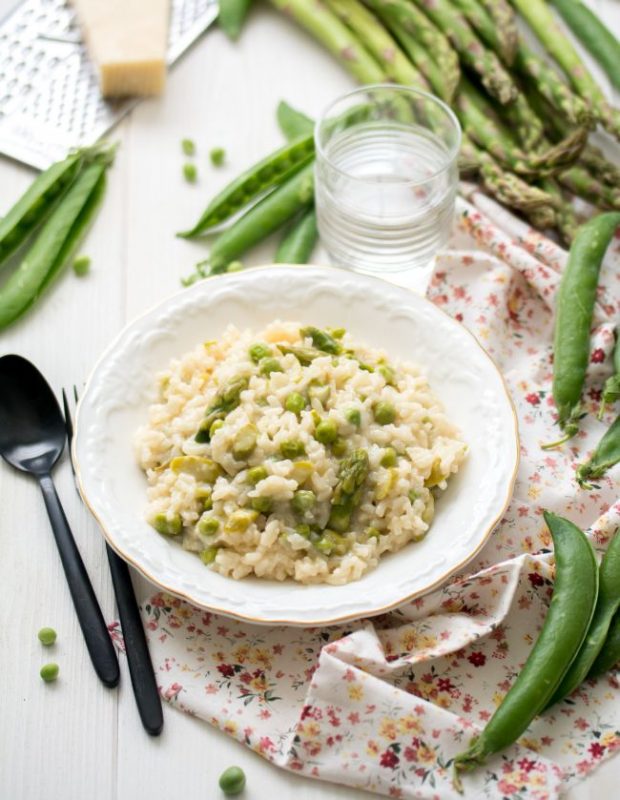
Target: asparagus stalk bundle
(505,21)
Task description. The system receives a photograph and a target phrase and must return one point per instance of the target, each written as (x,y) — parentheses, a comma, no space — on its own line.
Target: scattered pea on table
(188,147)
(81,265)
(49,672)
(190,173)
(47,636)
(232,780)
(217,156)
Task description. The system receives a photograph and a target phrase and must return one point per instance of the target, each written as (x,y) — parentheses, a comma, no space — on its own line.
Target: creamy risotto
(294,452)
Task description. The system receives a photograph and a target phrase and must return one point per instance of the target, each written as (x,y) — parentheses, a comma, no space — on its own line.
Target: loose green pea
(232,780)
(295,402)
(384,412)
(303,500)
(353,416)
(208,526)
(262,504)
(326,431)
(81,265)
(190,173)
(188,147)
(217,156)
(208,555)
(257,474)
(168,526)
(340,447)
(387,372)
(269,365)
(47,636)
(49,672)
(235,266)
(292,448)
(389,457)
(259,351)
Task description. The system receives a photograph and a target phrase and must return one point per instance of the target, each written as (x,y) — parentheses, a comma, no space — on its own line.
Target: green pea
(340,447)
(190,173)
(326,431)
(340,519)
(262,504)
(269,365)
(389,457)
(303,500)
(217,156)
(208,525)
(232,780)
(169,526)
(295,402)
(208,555)
(258,351)
(47,636)
(332,542)
(257,474)
(387,372)
(81,265)
(384,412)
(353,416)
(49,672)
(205,496)
(292,448)
(188,147)
(303,530)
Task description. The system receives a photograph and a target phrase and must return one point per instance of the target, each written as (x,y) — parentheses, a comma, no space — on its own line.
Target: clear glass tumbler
(386,178)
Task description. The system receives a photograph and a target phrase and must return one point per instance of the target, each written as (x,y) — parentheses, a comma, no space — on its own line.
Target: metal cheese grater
(49,94)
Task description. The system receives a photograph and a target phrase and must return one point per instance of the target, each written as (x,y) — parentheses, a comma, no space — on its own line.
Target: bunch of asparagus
(525,122)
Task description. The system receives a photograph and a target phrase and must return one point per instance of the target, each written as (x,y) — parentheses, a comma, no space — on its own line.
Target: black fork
(136,648)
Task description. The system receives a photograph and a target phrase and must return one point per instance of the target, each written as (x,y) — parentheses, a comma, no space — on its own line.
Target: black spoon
(32,437)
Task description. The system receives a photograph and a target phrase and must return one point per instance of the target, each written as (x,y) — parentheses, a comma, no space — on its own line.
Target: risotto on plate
(294,452)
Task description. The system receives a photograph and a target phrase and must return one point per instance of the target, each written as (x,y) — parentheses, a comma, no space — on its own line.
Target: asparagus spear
(480,20)
(337,38)
(347,494)
(565,218)
(580,182)
(426,45)
(545,26)
(504,18)
(473,54)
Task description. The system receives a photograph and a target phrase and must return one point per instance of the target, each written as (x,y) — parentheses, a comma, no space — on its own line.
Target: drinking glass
(386,178)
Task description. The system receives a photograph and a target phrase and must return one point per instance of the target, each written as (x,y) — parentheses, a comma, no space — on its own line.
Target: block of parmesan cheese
(127,41)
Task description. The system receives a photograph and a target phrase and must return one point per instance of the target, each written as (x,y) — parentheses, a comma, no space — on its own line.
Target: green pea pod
(611,390)
(575,307)
(610,652)
(293,123)
(54,244)
(563,632)
(271,171)
(232,15)
(36,204)
(299,241)
(261,220)
(607,454)
(607,604)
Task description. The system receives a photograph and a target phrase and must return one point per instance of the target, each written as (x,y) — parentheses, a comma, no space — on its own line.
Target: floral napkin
(385,704)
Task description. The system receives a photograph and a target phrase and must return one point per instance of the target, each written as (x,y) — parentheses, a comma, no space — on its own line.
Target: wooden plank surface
(76,740)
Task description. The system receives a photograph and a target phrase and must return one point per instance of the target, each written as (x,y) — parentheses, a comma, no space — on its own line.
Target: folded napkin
(384,704)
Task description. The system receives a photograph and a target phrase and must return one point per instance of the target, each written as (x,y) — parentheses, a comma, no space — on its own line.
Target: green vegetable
(332,542)
(262,504)
(303,501)
(593,35)
(188,147)
(204,494)
(606,455)
(232,780)
(318,391)
(326,431)
(218,154)
(47,636)
(169,526)
(258,351)
(340,447)
(303,529)
(372,532)
(240,521)
(388,374)
(190,172)
(575,307)
(232,15)
(208,555)
(295,402)
(268,365)
(299,240)
(305,355)
(203,469)
(353,416)
(352,475)
(55,243)
(37,203)
(292,448)
(81,265)
(219,423)
(322,340)
(611,390)
(384,412)
(563,633)
(610,652)
(256,475)
(293,123)
(225,401)
(244,442)
(235,266)
(49,672)
(607,604)
(271,171)
(208,525)
(389,457)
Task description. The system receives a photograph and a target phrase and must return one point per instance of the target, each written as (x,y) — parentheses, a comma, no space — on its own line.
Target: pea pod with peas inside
(606,455)
(575,308)
(275,169)
(611,390)
(563,633)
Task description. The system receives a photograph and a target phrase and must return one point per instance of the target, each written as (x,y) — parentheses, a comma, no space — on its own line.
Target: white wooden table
(75,740)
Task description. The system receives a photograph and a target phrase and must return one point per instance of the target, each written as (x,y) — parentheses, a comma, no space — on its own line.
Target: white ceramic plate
(120,388)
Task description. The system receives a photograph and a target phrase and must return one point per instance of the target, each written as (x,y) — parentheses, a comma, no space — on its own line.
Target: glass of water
(386,178)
